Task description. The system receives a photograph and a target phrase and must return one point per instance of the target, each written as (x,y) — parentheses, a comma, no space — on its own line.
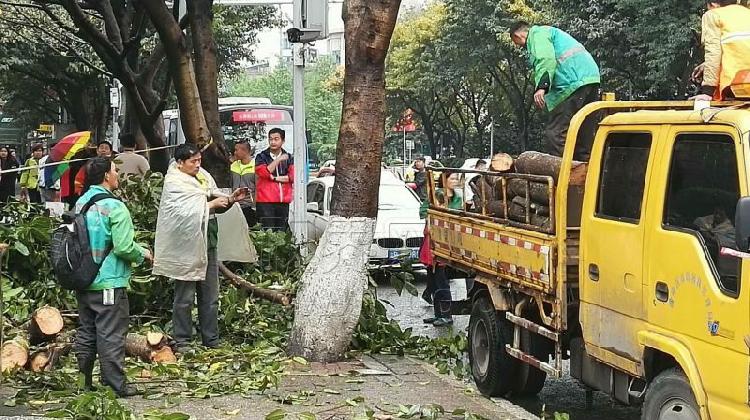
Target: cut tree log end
(156,339)
(46,323)
(163,355)
(39,361)
(14,354)
(538,163)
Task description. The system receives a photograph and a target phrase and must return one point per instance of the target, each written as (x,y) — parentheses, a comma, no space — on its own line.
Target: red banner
(258,115)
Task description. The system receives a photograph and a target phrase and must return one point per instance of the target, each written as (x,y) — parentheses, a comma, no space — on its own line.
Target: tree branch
(111,25)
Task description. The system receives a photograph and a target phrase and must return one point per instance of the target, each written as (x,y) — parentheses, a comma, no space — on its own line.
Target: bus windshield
(252,125)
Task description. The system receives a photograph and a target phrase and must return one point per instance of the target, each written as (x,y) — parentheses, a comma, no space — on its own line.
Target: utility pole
(299,204)
(492,137)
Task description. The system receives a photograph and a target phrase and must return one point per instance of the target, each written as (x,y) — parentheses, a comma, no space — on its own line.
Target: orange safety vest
(735,45)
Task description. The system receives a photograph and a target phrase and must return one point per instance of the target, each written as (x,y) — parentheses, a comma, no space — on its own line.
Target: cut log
(163,355)
(156,339)
(14,354)
(137,345)
(501,162)
(46,359)
(269,295)
(46,323)
(517,212)
(537,163)
(538,191)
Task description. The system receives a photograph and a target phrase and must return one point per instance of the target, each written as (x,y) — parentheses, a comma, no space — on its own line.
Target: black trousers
(273,216)
(35,196)
(559,121)
(208,307)
(250,216)
(102,330)
(442,296)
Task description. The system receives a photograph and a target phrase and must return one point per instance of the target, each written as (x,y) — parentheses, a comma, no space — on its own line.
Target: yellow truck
(637,276)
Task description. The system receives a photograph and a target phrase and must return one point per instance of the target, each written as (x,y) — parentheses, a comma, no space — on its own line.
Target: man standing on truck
(725,32)
(566,79)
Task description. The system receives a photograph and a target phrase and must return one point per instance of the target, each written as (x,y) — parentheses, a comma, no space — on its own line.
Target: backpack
(70,250)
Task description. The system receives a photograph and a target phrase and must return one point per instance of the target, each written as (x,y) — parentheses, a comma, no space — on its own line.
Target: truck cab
(641,279)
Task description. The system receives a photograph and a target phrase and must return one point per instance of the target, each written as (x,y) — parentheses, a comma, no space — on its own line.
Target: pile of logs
(535,196)
(42,342)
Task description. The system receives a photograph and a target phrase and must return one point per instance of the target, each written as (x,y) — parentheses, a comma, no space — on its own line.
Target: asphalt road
(563,395)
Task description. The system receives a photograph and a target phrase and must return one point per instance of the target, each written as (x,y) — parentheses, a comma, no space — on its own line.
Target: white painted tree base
(329,301)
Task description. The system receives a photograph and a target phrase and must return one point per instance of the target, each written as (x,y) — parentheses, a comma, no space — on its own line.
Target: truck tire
(529,380)
(491,366)
(670,397)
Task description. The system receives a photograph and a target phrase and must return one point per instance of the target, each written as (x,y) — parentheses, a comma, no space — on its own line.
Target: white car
(398,231)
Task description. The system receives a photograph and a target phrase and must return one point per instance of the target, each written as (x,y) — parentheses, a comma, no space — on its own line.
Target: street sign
(46,128)
(114,97)
(410,144)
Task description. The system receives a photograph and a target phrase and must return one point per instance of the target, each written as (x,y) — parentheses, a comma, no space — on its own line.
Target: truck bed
(510,257)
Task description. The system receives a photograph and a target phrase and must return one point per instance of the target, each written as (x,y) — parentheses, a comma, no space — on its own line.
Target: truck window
(702,195)
(623,176)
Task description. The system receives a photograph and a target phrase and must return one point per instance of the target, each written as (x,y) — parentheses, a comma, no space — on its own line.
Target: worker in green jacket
(566,79)
(103,308)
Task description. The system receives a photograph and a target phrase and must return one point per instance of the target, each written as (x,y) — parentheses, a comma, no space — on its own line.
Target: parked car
(398,231)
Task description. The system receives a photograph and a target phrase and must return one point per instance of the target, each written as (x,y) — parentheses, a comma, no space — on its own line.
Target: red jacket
(266,189)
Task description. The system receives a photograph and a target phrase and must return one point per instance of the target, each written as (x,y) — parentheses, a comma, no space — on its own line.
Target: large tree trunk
(329,301)
(215,158)
(180,60)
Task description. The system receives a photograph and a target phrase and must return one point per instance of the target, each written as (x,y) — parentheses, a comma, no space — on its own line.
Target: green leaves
(94,405)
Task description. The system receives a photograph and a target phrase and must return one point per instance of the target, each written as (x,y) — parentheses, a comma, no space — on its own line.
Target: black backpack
(70,250)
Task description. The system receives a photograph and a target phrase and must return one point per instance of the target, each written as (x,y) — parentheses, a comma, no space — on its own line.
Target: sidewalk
(382,383)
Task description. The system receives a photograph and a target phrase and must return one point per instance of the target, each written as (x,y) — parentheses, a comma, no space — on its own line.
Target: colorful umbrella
(62,151)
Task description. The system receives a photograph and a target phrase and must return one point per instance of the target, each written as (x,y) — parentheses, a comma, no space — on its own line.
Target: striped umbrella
(62,151)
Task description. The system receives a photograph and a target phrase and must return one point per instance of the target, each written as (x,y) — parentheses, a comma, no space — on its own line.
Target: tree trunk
(329,301)
(538,191)
(537,163)
(215,158)
(151,137)
(180,60)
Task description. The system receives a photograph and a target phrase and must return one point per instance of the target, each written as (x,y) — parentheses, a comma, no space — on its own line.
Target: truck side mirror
(742,224)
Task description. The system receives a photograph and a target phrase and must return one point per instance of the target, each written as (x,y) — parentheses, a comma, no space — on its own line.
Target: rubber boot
(86,366)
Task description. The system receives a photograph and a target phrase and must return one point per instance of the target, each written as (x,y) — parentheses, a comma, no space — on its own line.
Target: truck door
(612,235)
(695,295)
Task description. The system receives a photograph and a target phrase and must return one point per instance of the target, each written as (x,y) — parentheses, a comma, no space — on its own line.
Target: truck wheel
(670,398)
(530,380)
(492,367)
